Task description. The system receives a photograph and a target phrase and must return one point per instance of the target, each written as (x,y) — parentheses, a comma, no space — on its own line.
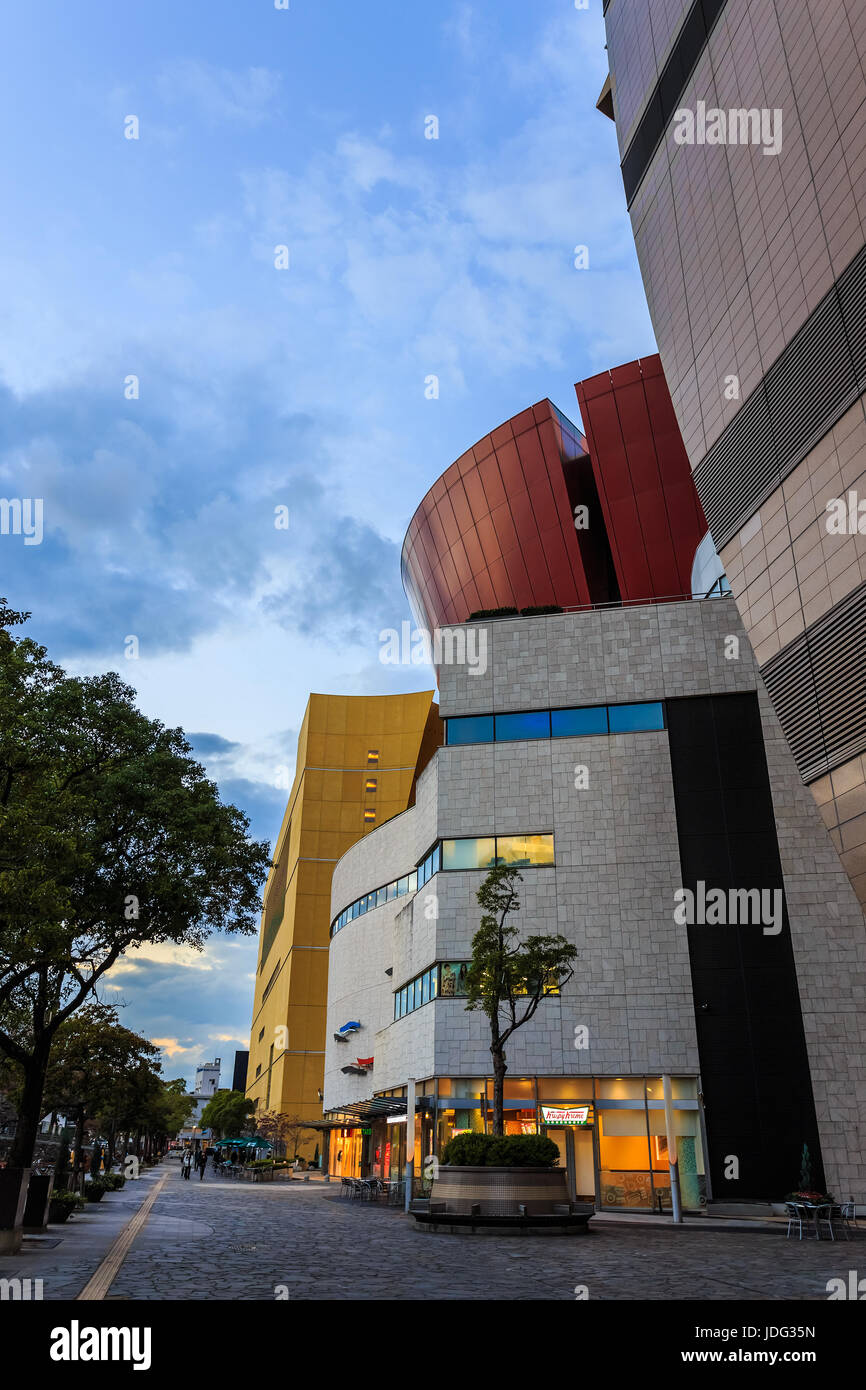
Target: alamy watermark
(448,646)
(739,125)
(730,907)
(22,516)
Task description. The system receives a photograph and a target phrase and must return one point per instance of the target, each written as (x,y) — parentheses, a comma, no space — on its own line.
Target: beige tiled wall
(737,248)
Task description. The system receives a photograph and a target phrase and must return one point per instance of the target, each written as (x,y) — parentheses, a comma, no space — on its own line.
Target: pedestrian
(186,1164)
(202,1164)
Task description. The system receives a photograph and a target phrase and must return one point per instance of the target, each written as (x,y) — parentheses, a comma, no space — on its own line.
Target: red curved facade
(498,528)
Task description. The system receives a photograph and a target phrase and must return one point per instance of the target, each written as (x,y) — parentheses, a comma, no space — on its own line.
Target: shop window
(626,719)
(511,727)
(469,854)
(624,1159)
(452,980)
(469,729)
(524,850)
(620,1088)
(576,723)
(557,1088)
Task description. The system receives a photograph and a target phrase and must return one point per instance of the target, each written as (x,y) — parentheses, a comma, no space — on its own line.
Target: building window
(473,728)
(259,1069)
(469,854)
(261,1034)
(627,719)
(373,757)
(557,723)
(521,851)
(510,727)
(369,814)
(576,723)
(370,784)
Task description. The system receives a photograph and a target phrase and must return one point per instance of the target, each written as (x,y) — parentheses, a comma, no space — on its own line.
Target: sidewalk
(67,1256)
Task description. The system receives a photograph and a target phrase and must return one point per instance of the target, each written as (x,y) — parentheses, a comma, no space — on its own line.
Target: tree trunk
(30,1107)
(499,1070)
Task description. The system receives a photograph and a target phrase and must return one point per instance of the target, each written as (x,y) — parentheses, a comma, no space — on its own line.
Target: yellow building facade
(357,763)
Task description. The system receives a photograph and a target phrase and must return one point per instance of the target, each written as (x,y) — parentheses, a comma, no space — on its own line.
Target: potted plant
(95,1190)
(62,1205)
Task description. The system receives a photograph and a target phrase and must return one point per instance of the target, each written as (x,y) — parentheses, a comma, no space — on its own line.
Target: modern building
(742,136)
(358,760)
(207,1083)
(621,752)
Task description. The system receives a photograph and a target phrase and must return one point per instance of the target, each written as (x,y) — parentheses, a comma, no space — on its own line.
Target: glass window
(396,1006)
(620,1088)
(574,723)
(523,850)
(425,988)
(453,980)
(468,854)
(402,886)
(436,860)
(404,1000)
(473,728)
(413,881)
(434,981)
(381,896)
(625,719)
(391,891)
(536,724)
(422,873)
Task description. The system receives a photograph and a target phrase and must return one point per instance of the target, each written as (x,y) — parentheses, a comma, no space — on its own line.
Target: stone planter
(499,1191)
(93,1193)
(38,1200)
(58,1212)
(13,1198)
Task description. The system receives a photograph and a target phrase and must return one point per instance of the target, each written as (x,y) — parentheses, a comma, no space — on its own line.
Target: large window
(520,850)
(469,854)
(430,866)
(579,722)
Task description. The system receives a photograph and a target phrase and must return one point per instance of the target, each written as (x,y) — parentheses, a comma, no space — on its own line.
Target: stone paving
(225,1240)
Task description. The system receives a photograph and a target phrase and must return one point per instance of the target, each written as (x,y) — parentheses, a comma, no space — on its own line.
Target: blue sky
(262,387)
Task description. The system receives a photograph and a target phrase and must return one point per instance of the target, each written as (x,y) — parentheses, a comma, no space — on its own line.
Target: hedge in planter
(62,1205)
(95,1190)
(500,1151)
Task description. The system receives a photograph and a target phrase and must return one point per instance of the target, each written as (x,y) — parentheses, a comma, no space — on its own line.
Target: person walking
(201,1162)
(186,1164)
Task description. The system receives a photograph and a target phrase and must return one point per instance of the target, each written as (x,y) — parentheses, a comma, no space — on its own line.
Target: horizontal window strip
(807,390)
(665,97)
(645,716)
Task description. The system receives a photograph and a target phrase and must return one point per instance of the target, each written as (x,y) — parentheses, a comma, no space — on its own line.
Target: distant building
(207,1077)
(239,1076)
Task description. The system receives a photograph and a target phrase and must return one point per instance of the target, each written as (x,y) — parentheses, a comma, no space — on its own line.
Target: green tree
(91,1057)
(507,979)
(111,836)
(226,1113)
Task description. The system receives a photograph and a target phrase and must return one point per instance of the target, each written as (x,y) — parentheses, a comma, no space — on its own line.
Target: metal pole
(410,1140)
(672,1150)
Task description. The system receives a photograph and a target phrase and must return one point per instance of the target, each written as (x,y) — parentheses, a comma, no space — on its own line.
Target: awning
(245,1143)
(374,1109)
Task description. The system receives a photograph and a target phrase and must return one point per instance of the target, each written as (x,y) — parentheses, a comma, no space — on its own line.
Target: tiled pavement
(228,1241)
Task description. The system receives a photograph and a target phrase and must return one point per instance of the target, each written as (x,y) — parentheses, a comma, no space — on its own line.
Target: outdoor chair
(848,1213)
(824,1213)
(797,1216)
(839,1214)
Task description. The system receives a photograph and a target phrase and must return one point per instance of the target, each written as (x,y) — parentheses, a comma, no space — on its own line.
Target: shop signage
(366,1131)
(396,1120)
(570,1115)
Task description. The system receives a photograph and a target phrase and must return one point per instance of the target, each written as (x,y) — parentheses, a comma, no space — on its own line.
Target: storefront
(610,1132)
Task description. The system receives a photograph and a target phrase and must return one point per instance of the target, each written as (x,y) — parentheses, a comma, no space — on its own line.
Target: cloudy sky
(262,387)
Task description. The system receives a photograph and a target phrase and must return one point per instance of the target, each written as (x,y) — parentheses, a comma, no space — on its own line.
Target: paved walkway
(226,1240)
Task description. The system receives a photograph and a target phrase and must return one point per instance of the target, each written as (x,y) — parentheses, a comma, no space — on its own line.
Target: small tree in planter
(507,979)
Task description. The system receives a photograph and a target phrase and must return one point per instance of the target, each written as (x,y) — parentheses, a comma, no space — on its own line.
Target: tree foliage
(111,837)
(227,1113)
(508,978)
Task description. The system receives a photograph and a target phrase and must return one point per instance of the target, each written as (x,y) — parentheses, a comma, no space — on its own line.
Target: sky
(260,386)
